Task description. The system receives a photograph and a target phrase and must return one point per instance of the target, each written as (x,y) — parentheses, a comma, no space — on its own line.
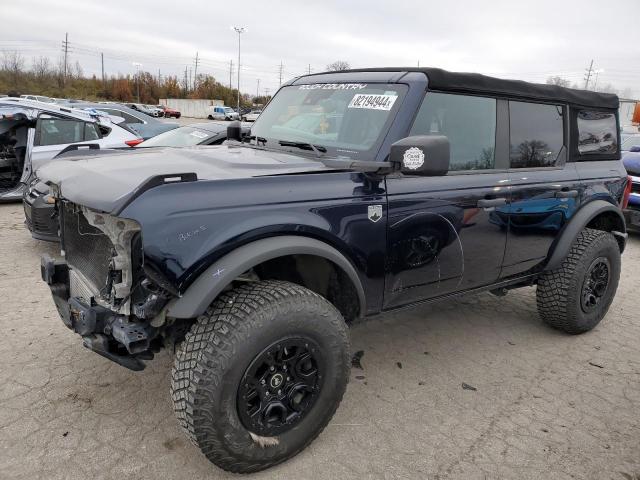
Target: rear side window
(597,133)
(536,135)
(91,132)
(468,122)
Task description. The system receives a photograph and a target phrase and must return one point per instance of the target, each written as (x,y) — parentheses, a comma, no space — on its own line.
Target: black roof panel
(476,83)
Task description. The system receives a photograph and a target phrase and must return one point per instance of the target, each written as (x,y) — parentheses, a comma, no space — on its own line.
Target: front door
(443,233)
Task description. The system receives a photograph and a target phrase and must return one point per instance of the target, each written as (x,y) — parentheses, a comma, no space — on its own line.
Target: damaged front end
(100,287)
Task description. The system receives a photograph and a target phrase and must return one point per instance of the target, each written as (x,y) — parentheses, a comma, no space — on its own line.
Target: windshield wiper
(254,137)
(317,149)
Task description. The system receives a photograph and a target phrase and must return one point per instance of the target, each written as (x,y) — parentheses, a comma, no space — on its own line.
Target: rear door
(442,233)
(545,187)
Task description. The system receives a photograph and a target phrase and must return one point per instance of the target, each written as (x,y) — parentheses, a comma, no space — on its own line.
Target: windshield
(347,119)
(179,137)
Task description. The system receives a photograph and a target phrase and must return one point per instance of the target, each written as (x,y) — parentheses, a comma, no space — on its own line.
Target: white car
(155,111)
(252,116)
(219,112)
(38,98)
(33,133)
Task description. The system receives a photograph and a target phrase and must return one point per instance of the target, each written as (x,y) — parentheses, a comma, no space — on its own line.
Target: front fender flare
(577,223)
(221,273)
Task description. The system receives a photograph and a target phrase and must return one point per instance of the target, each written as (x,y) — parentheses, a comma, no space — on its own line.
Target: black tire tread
(554,286)
(209,347)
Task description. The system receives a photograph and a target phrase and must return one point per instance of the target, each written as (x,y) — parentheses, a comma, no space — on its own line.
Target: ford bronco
(354,193)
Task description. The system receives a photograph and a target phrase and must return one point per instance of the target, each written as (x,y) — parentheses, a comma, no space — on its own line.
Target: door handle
(566,194)
(491,202)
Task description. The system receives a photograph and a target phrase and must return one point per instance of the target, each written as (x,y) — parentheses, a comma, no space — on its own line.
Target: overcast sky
(527,40)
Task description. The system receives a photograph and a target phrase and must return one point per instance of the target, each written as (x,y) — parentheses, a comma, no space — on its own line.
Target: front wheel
(576,296)
(260,374)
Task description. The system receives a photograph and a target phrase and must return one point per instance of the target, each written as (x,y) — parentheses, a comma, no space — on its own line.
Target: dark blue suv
(354,193)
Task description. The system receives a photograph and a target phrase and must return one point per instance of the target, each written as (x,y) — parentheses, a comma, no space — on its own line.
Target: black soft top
(476,83)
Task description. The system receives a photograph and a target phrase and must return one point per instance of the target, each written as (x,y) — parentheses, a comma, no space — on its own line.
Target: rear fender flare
(199,295)
(578,222)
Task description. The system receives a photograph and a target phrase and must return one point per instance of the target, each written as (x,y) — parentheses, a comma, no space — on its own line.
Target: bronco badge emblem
(375,213)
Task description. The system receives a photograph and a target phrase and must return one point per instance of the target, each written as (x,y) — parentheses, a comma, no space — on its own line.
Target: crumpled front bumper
(105,332)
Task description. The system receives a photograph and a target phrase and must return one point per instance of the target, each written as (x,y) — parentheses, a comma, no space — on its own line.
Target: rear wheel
(260,374)
(576,296)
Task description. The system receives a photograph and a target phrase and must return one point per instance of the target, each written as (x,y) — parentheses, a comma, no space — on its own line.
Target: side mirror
(424,155)
(234,131)
(635,149)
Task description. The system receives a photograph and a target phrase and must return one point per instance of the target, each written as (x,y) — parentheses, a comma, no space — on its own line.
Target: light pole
(239,31)
(137,65)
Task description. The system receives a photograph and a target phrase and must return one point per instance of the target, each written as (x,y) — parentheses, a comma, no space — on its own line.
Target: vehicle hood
(631,162)
(106,182)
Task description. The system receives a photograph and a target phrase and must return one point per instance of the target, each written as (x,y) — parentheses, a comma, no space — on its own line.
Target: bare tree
(338,66)
(557,80)
(13,62)
(41,67)
(607,88)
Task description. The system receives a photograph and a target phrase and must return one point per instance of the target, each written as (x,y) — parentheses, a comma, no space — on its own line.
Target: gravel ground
(471,388)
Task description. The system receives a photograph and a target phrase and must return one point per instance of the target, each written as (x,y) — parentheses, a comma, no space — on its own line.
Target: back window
(597,134)
(536,135)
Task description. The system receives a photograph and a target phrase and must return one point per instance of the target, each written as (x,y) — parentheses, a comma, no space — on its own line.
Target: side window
(468,122)
(537,134)
(597,133)
(59,131)
(91,131)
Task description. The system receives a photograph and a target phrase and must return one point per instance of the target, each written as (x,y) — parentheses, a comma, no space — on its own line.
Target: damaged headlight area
(101,289)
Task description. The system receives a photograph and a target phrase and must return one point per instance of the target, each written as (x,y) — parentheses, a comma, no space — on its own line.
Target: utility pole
(230,72)
(102,62)
(281,72)
(190,70)
(239,31)
(588,75)
(65,49)
(159,77)
(195,73)
(266,93)
(137,65)
(186,85)
(258,89)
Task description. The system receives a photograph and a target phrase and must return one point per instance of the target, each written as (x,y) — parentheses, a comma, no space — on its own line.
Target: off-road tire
(559,292)
(217,351)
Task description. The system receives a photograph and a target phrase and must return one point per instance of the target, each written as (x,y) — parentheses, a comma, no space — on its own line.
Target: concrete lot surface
(537,404)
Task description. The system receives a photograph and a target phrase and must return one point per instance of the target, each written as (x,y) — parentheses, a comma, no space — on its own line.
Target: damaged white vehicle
(33,133)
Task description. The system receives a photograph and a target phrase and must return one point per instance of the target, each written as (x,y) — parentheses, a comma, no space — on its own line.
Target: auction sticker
(199,134)
(373,102)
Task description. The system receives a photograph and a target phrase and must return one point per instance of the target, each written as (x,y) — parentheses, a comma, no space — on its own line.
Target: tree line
(40,76)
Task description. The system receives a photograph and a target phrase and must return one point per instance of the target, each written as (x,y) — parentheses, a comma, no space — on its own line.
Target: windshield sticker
(334,86)
(373,102)
(199,134)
